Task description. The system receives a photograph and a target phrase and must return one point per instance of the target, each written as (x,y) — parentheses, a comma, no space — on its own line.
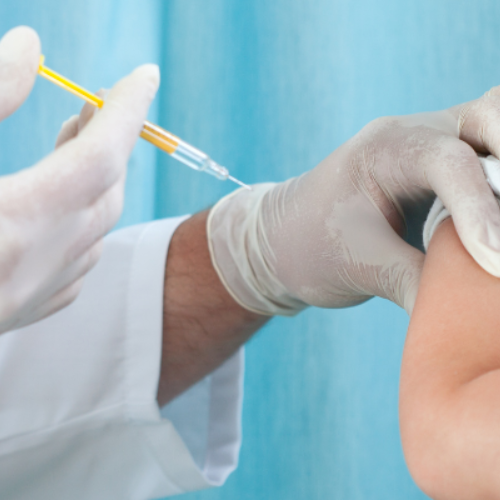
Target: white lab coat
(78,411)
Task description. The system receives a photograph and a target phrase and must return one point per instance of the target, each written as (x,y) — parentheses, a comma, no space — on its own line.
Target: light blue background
(269,88)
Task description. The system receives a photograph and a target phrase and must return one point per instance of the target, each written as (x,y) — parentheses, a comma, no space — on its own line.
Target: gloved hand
(54,215)
(439,213)
(335,236)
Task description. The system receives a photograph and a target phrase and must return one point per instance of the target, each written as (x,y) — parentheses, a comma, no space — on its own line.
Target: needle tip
(236,181)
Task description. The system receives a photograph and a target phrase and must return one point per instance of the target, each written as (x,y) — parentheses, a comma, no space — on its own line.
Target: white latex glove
(54,215)
(334,236)
(439,213)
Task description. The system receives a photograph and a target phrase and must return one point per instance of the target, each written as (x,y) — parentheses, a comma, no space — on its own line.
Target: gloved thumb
(120,120)
(97,159)
(19,60)
(403,276)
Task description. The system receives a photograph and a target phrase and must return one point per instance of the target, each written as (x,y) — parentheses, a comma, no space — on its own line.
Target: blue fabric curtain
(269,88)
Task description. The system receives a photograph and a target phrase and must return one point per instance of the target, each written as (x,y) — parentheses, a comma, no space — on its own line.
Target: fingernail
(150,72)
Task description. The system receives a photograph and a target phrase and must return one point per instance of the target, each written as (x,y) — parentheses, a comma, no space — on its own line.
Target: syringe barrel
(198,160)
(182,151)
(156,135)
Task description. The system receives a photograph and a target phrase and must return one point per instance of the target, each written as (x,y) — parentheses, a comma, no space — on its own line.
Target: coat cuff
(207,417)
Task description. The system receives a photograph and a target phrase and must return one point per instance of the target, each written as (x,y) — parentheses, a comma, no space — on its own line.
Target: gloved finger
(53,304)
(403,277)
(78,173)
(117,126)
(97,158)
(380,262)
(58,301)
(479,123)
(67,289)
(456,176)
(108,209)
(98,220)
(19,60)
(491,167)
(78,268)
(89,111)
(62,292)
(69,130)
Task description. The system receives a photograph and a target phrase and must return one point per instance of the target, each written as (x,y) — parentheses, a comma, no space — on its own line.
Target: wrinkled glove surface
(54,215)
(439,213)
(351,228)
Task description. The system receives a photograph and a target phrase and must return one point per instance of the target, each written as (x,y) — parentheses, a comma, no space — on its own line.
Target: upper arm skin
(450,378)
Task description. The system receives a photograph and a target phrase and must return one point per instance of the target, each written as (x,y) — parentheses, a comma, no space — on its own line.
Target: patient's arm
(450,380)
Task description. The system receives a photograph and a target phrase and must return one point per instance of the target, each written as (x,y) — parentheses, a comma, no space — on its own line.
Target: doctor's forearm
(202,325)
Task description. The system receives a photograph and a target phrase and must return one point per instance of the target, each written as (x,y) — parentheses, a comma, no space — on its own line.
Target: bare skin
(202,324)
(450,380)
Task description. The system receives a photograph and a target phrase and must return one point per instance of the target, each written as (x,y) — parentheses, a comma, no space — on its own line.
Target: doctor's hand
(54,215)
(341,233)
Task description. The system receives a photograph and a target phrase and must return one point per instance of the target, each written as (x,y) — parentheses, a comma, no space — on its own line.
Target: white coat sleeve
(78,413)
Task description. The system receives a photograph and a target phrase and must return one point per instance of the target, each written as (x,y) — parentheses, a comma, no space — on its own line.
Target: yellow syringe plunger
(161,138)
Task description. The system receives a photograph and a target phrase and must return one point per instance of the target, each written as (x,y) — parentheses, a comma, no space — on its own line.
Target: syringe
(171,144)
